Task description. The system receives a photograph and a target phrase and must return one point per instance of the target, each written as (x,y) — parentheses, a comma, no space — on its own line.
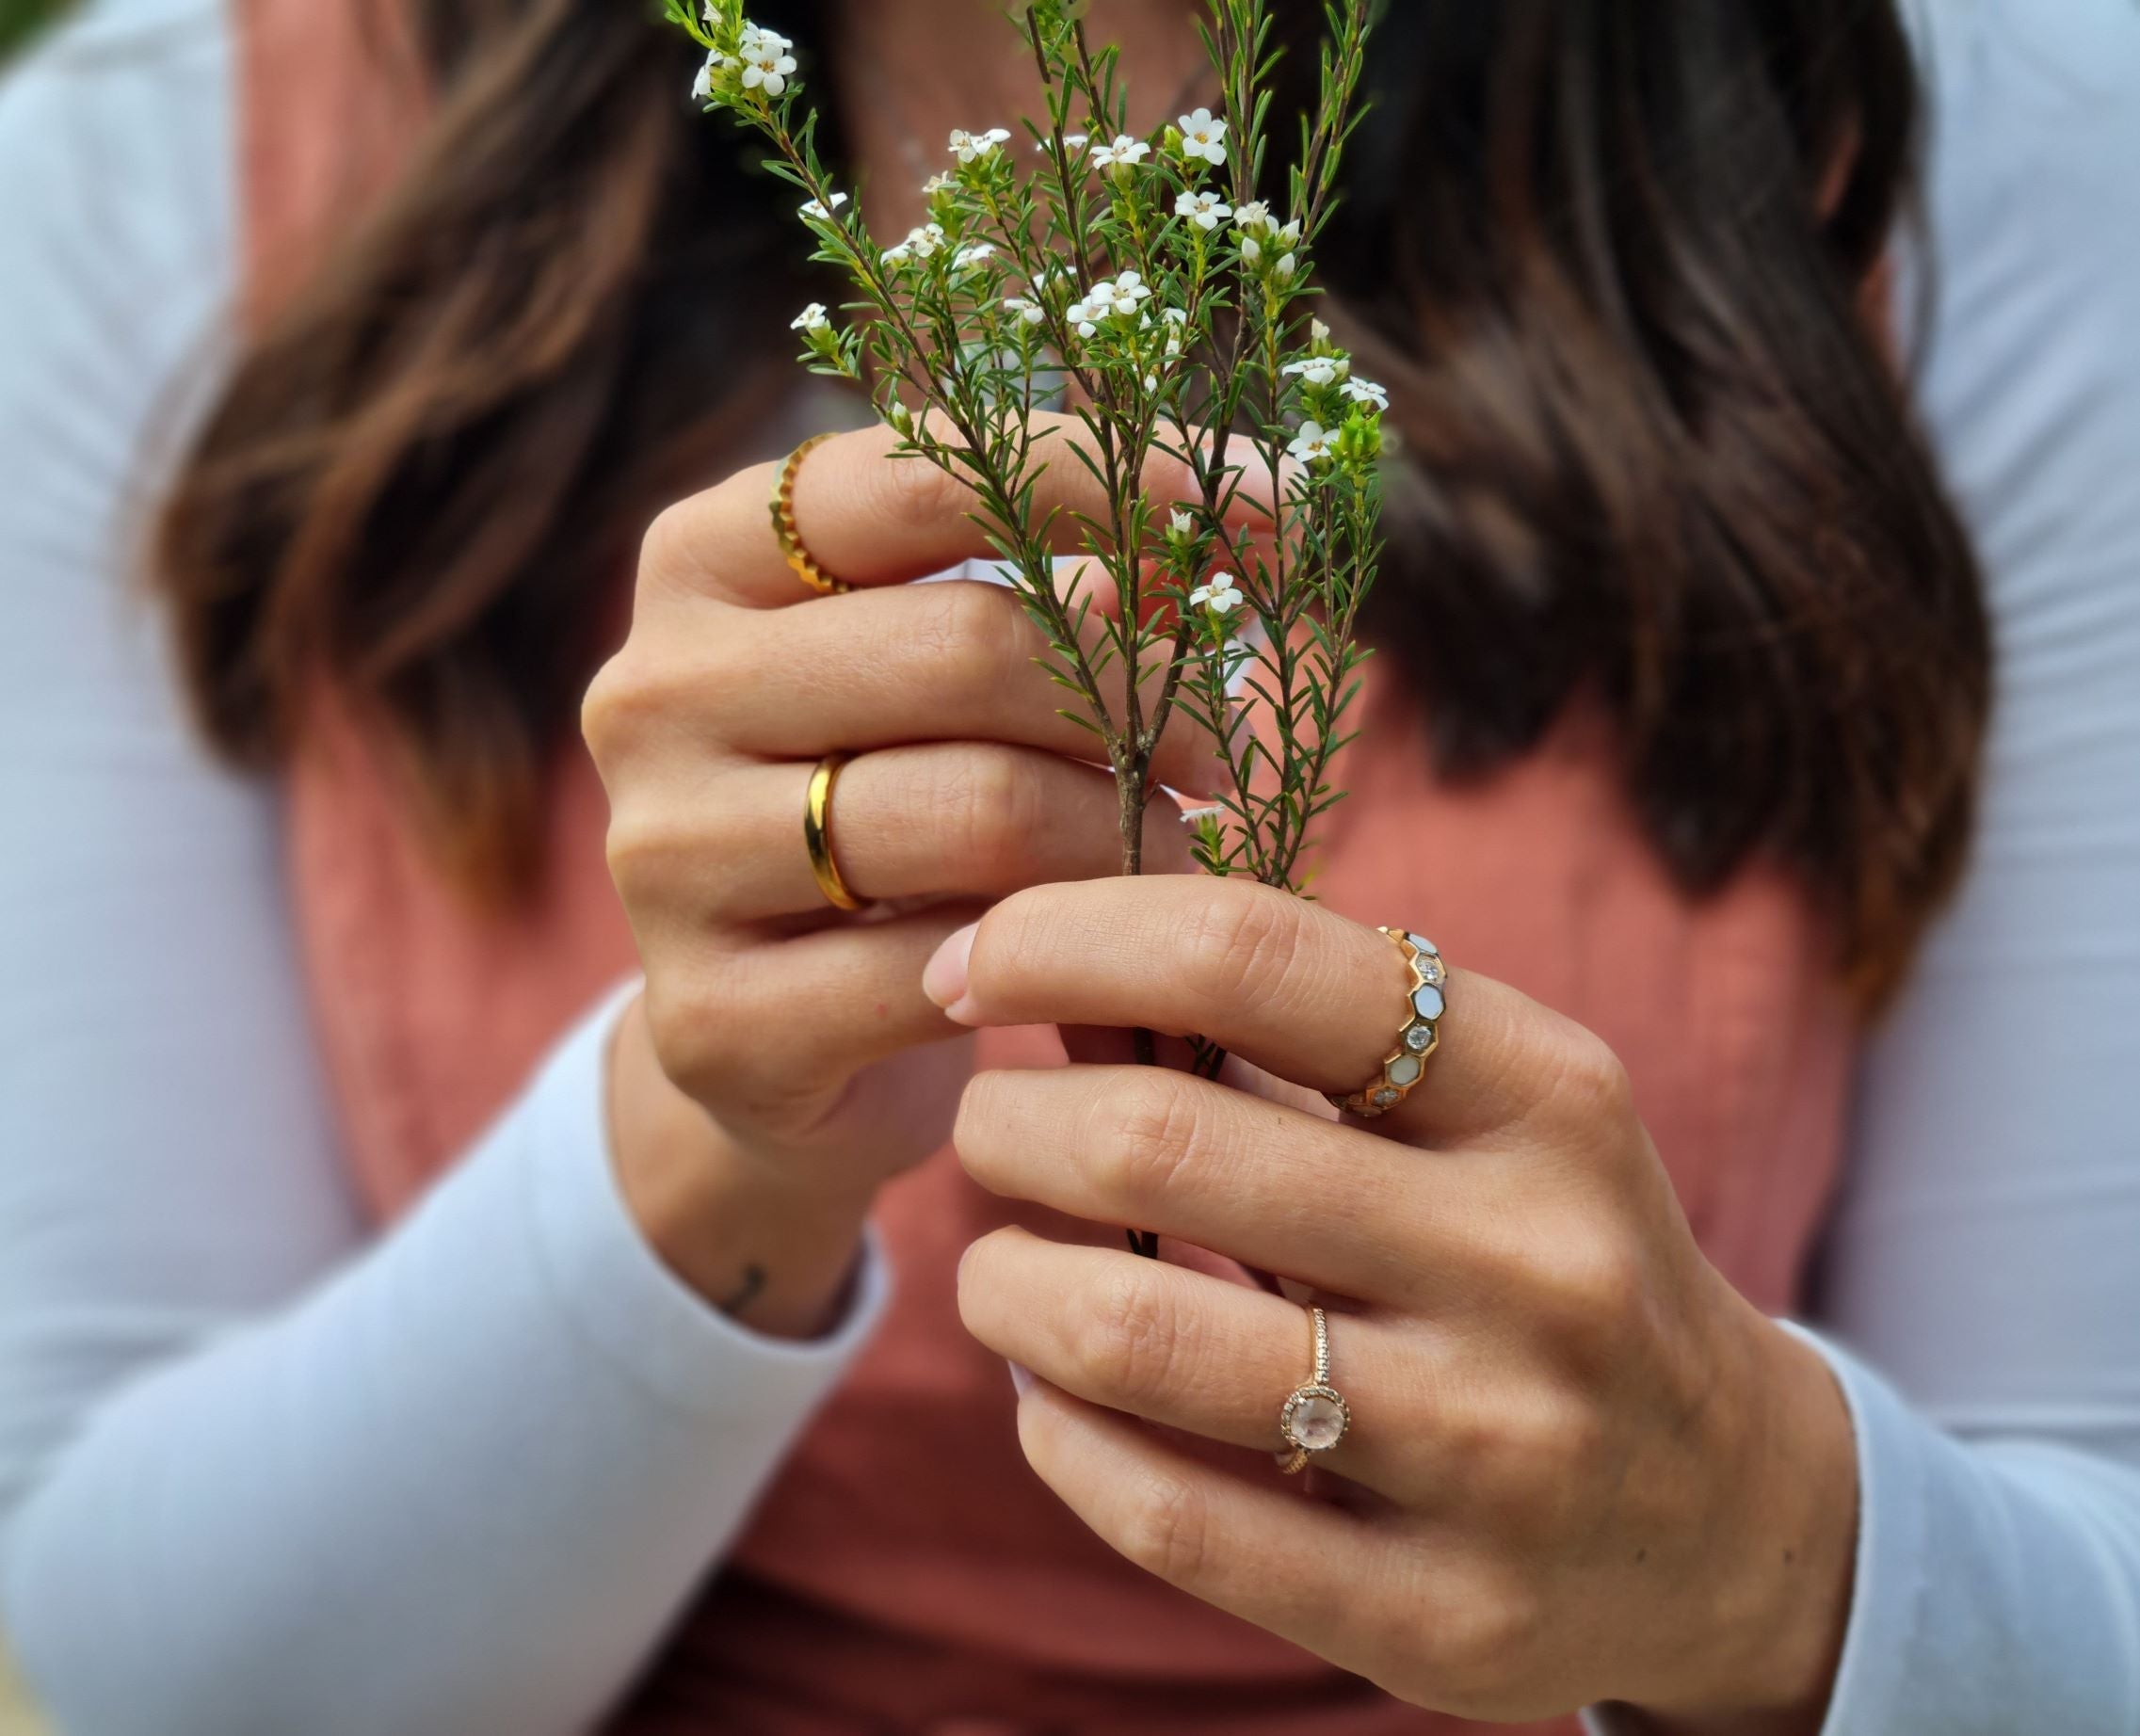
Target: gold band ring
(817,833)
(1315,1415)
(790,539)
(1418,1036)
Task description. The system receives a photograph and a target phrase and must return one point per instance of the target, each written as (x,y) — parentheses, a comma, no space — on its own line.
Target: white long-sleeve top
(262,1472)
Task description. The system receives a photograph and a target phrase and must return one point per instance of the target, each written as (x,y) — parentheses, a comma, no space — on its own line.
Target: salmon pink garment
(906,1572)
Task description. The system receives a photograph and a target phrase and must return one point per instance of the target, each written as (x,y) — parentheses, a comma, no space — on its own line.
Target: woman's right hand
(783,1061)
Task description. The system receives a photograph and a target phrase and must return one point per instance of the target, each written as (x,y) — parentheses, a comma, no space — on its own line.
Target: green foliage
(1145,275)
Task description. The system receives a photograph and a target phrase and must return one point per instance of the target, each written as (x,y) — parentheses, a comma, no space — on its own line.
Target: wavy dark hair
(1610,258)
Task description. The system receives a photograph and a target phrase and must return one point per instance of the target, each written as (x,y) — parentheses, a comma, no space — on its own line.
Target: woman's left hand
(1580,1467)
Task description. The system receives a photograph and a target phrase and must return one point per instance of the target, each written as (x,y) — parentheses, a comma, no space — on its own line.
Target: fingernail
(1021,1379)
(944,980)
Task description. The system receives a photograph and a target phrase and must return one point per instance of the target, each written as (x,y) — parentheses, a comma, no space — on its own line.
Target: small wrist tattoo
(746,1292)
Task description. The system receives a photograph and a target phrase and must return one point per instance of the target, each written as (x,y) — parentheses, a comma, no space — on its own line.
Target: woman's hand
(1580,1467)
(800,1032)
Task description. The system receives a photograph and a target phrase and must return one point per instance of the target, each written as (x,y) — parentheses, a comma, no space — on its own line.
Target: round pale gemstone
(1418,1038)
(1427,1002)
(1431,970)
(1316,1423)
(1405,1070)
(1384,1097)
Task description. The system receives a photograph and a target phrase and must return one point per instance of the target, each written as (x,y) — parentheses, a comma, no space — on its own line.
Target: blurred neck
(910,72)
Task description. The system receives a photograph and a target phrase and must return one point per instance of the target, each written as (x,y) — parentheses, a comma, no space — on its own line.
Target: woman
(298,1440)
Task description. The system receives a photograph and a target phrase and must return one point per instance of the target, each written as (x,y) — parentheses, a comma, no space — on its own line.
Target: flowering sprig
(1162,285)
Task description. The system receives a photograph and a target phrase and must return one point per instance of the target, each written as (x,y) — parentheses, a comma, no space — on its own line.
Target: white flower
(1318,333)
(1202,137)
(816,209)
(1175,316)
(813,319)
(1085,317)
(1367,392)
(1319,370)
(1125,153)
(937,184)
(1289,234)
(1251,250)
(766,63)
(1121,295)
(921,243)
(1032,312)
(1312,446)
(967,258)
(702,86)
(1256,213)
(1218,596)
(1178,524)
(966,146)
(1151,382)
(1207,210)
(1286,266)
(1073,142)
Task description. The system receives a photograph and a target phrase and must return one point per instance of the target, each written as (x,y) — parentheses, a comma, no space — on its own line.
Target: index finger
(870,516)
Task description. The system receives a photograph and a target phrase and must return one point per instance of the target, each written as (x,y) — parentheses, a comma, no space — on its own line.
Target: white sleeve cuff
(1997,1584)
(607,1278)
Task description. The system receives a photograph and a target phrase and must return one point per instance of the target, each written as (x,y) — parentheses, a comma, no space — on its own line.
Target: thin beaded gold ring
(790,539)
(1416,1038)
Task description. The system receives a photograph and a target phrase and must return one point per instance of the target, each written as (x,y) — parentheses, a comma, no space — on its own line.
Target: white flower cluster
(1207,210)
(763,61)
(1261,234)
(1330,389)
(967,146)
(923,243)
(1110,298)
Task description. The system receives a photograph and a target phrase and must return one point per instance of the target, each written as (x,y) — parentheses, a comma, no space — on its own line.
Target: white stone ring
(1315,1415)
(1418,1036)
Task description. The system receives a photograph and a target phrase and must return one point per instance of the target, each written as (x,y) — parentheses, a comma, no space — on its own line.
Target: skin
(1582,1469)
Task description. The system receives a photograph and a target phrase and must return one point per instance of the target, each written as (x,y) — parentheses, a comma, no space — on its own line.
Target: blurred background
(20,19)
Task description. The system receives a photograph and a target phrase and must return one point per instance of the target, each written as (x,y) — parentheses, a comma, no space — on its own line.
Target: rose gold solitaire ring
(1315,1415)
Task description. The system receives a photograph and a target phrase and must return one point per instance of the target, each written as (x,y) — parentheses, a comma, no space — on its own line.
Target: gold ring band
(817,833)
(1418,1037)
(1315,1415)
(790,539)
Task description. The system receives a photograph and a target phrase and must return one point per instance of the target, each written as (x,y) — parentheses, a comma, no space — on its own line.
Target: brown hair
(1608,257)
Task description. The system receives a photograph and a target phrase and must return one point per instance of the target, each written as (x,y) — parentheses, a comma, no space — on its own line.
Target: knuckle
(915,493)
(1590,1083)
(1167,1527)
(1139,1136)
(1129,1340)
(688,1026)
(1488,1641)
(1244,948)
(668,549)
(989,805)
(966,634)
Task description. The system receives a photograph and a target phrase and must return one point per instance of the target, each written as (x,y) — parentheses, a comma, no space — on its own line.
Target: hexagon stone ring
(1417,1036)
(1315,1415)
